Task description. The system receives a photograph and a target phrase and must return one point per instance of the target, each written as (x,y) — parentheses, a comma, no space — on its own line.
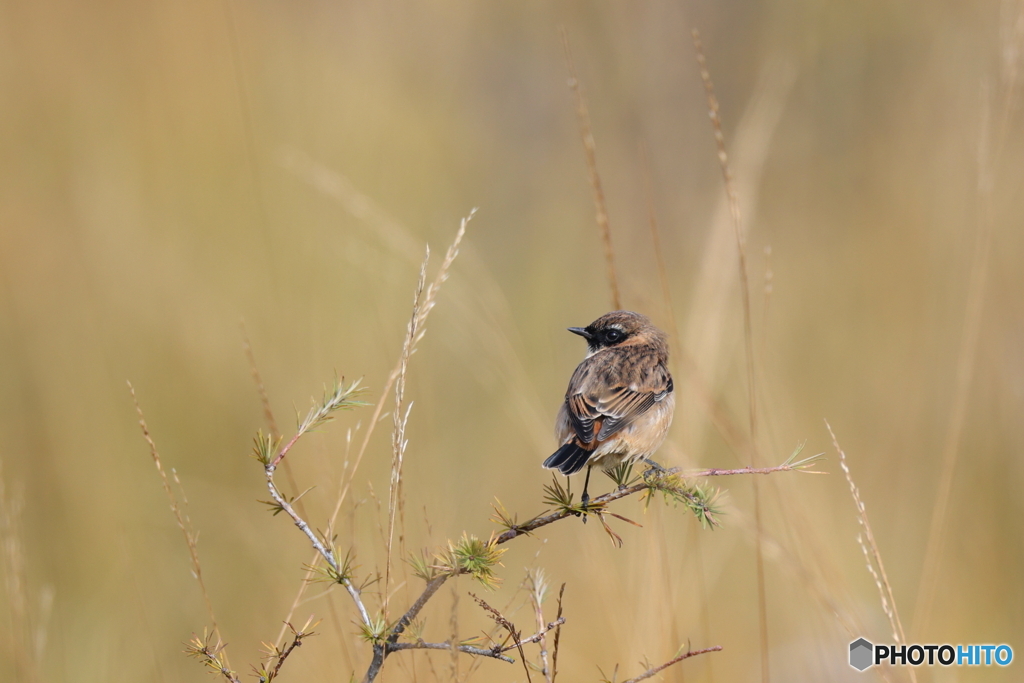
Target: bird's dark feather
(568,459)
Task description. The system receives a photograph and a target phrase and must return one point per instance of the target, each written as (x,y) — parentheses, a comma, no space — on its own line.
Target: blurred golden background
(170,169)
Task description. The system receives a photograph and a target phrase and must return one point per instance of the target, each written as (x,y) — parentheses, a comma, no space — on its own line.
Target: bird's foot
(585,505)
(653,471)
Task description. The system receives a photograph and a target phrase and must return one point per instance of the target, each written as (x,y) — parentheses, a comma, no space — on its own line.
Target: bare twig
(496,652)
(277,656)
(270,456)
(686,655)
(538,636)
(590,150)
(323,551)
(513,632)
(558,634)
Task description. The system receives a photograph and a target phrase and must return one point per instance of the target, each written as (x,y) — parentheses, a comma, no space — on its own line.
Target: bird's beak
(582,331)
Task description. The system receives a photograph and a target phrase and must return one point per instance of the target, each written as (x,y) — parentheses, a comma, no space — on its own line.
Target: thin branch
(494,652)
(747,470)
(428,592)
(536,637)
(686,655)
(600,501)
(447,646)
(328,555)
(382,650)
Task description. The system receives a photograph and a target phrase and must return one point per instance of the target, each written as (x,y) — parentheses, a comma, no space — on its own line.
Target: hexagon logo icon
(860,654)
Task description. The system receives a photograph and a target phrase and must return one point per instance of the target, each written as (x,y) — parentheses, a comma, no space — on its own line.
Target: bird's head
(619,328)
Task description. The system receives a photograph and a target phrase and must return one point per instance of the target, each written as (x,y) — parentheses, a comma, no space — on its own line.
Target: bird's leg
(585,498)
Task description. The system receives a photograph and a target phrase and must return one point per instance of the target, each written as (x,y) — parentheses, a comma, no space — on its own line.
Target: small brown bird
(619,403)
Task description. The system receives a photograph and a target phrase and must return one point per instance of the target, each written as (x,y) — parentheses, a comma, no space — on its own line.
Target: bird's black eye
(614,336)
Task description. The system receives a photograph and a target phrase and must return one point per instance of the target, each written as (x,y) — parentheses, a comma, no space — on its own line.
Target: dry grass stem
(397,235)
(249,130)
(453,626)
(871,553)
(590,150)
(538,586)
(400,417)
(26,637)
(184,523)
(748,336)
(677,342)
(261,389)
(734,210)
(988,152)
(707,337)
(659,256)
(424,300)
(271,422)
(769,288)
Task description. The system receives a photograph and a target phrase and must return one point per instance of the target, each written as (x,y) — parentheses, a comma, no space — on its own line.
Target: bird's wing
(594,403)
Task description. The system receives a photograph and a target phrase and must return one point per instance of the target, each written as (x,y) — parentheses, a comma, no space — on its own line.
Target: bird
(619,403)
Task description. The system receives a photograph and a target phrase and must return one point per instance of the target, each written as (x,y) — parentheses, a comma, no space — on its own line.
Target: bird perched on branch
(619,403)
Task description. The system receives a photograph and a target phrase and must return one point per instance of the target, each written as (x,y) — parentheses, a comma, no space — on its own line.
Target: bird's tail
(568,459)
